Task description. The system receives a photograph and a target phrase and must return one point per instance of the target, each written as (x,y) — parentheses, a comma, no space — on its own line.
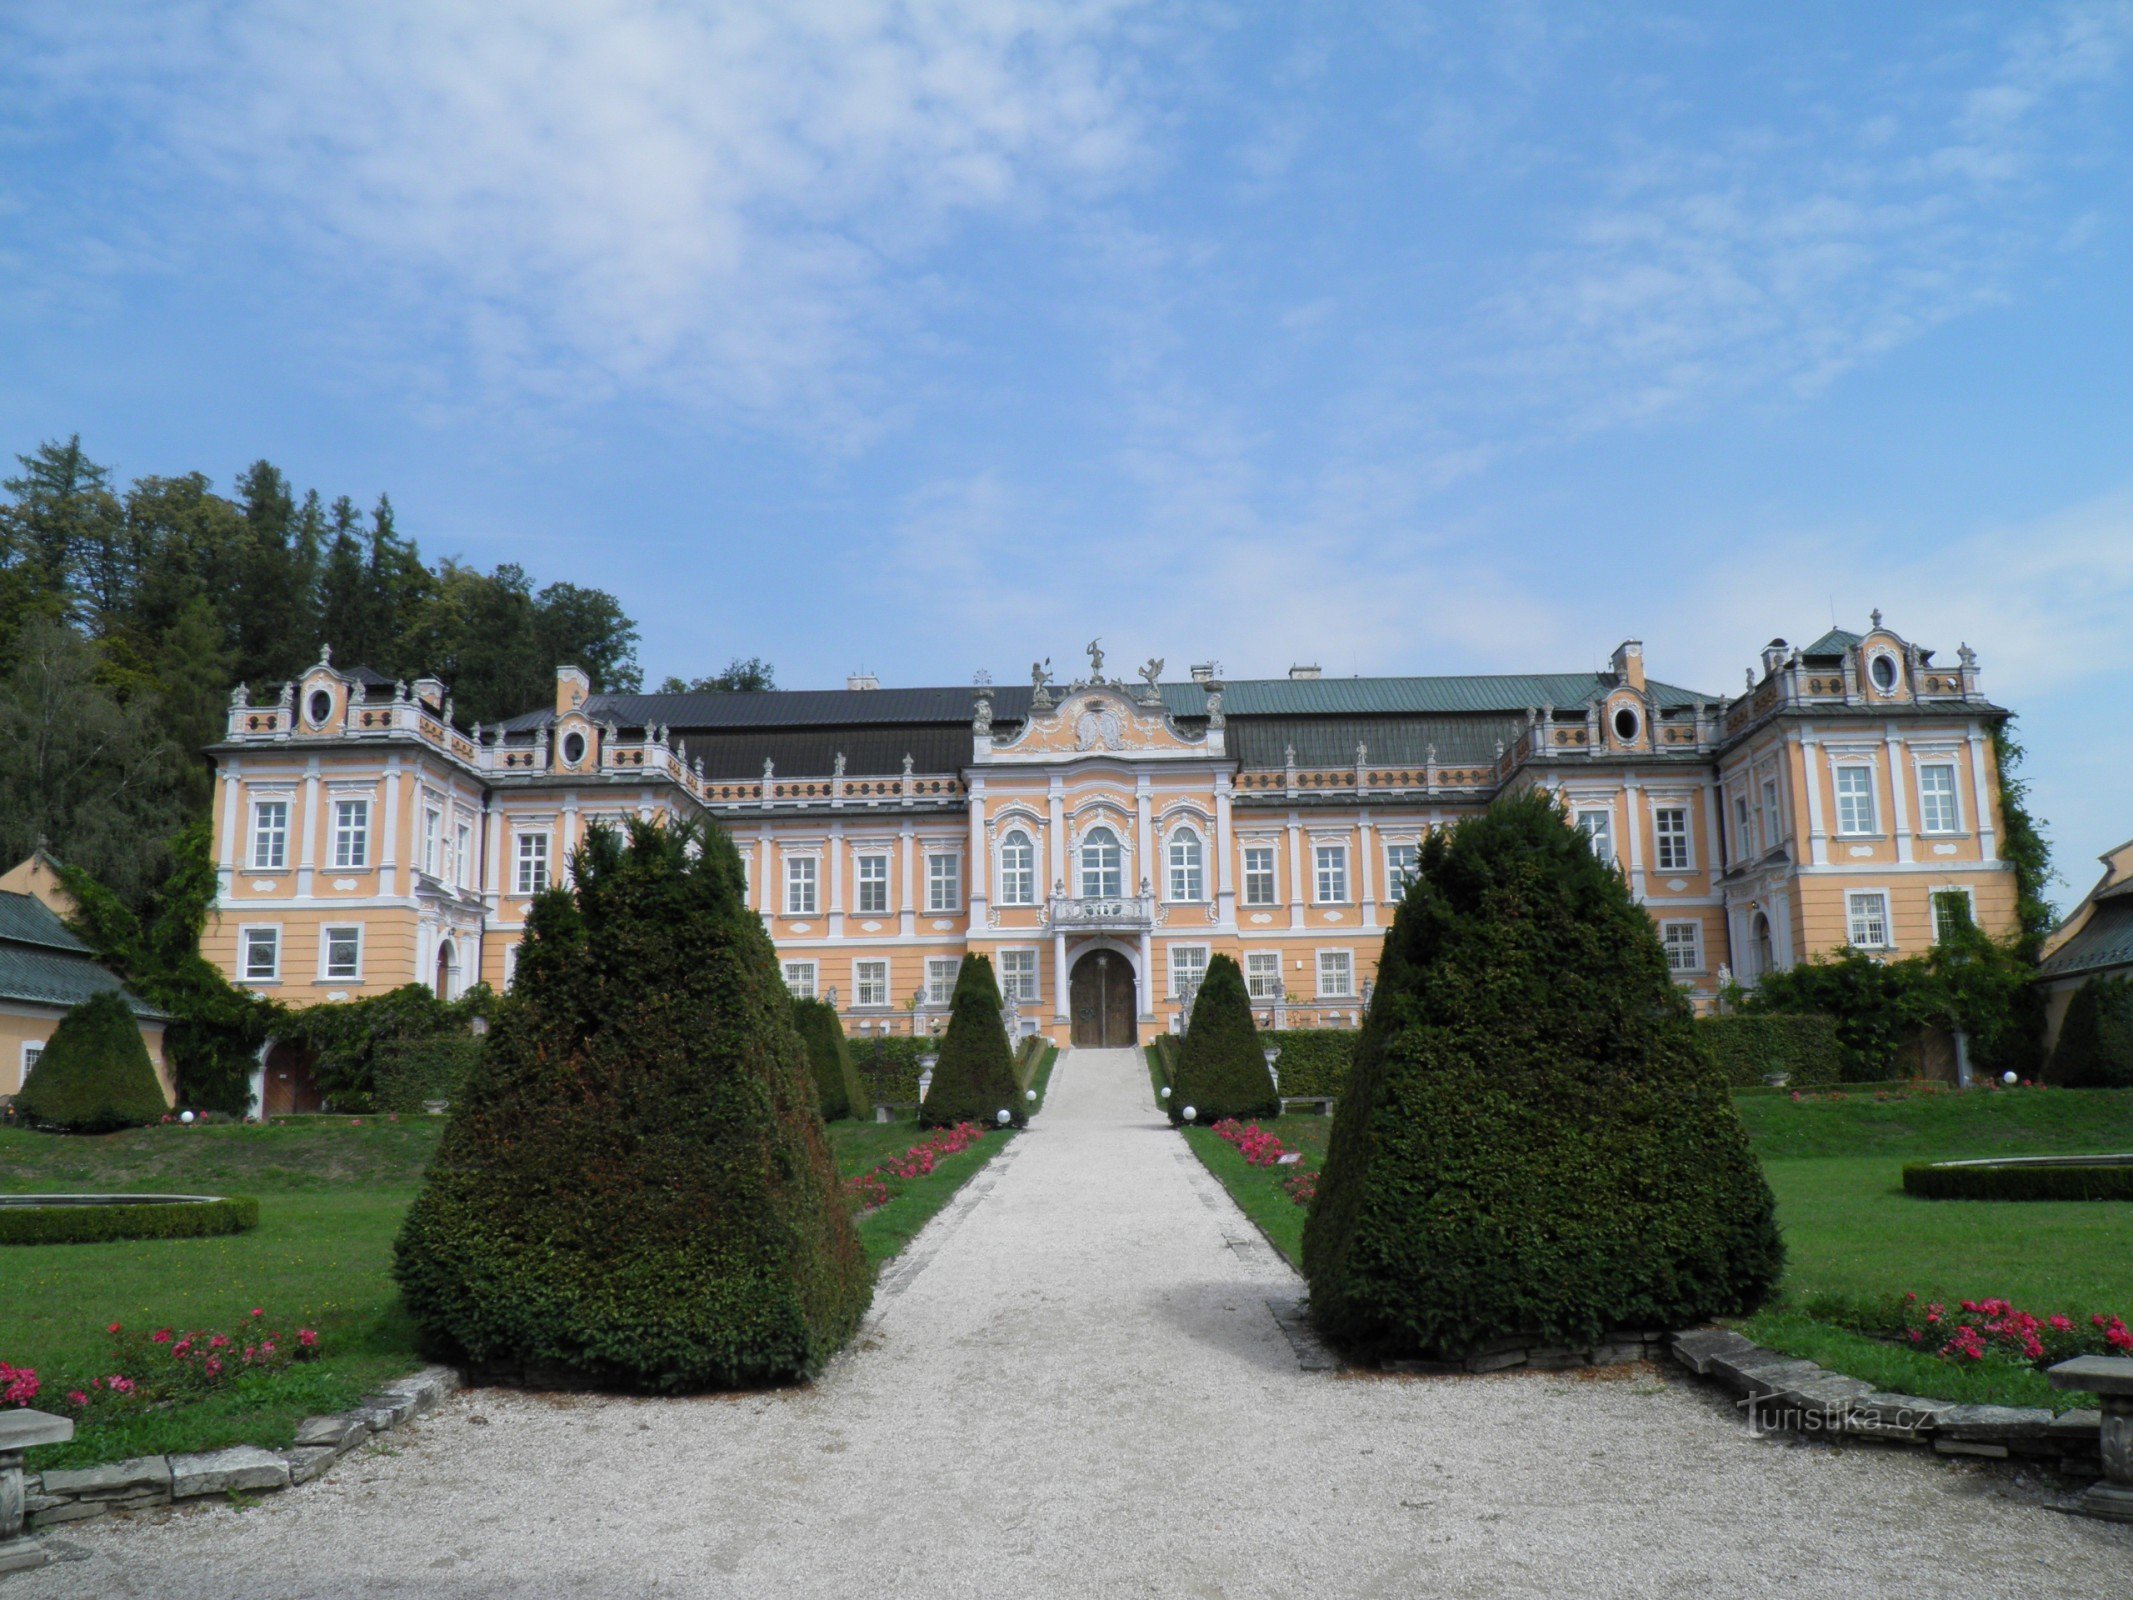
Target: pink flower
(214,1366)
(160,1336)
(220,1341)
(257,1312)
(114,1328)
(306,1338)
(74,1396)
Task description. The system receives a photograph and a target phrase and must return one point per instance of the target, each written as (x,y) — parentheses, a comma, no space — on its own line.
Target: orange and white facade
(1101,840)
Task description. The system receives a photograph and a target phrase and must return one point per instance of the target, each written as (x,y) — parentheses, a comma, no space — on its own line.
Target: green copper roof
(2104,942)
(1833,643)
(41,963)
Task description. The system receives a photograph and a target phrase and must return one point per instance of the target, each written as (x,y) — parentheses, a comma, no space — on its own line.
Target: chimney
(1204,672)
(572,685)
(1299,673)
(859,681)
(1774,654)
(1628,664)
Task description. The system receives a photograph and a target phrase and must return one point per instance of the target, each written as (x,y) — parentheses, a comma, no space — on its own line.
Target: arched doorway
(1763,957)
(447,970)
(1103,1001)
(288,1087)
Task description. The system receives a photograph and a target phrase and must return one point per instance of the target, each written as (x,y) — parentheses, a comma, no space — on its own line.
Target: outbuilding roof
(41,963)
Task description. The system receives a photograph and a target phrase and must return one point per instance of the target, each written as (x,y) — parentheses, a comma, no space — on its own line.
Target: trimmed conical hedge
(837,1083)
(1533,1141)
(974,1080)
(2095,1049)
(635,1189)
(1221,1062)
(94,1075)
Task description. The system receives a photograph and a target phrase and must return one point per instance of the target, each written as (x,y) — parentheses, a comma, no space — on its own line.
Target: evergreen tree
(1222,1068)
(61,540)
(1533,1142)
(837,1083)
(2095,1048)
(635,1188)
(974,1079)
(94,1075)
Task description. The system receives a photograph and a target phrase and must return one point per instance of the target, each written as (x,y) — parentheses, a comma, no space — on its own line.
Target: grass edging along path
(1262,1193)
(859,1147)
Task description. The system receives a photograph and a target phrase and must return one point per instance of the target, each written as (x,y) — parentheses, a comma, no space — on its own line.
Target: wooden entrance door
(290,1089)
(1104,1004)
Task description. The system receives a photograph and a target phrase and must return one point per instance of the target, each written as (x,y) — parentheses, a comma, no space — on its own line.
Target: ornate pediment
(1100,719)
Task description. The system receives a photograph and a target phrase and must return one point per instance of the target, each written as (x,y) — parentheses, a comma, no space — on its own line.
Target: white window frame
(31,1050)
(1744,847)
(1186,878)
(1869,797)
(800,979)
(245,934)
(1329,871)
(1668,932)
(1597,824)
(866,879)
(940,979)
(351,838)
(1933,899)
(432,839)
(463,853)
(803,885)
(1858,918)
(278,834)
(1396,881)
(1672,847)
(1272,875)
(1257,977)
(862,983)
(1020,986)
(326,974)
(1773,813)
(526,884)
(1340,955)
(1954,820)
(1179,971)
(1104,882)
(1018,880)
(944,881)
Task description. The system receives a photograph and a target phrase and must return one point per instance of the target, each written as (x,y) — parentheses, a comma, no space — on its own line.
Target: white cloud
(591,194)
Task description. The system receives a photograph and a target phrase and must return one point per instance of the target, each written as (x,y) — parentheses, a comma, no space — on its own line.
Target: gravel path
(1071,1385)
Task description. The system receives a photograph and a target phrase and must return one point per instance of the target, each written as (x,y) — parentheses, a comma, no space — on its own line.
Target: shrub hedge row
(1314,1061)
(1930,1182)
(837,1083)
(96,1224)
(1750,1047)
(889,1067)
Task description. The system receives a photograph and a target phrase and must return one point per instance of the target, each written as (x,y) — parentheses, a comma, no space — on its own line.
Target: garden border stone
(74,1494)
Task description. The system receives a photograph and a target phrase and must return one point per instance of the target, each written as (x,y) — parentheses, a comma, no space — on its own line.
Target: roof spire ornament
(1876,615)
(325,655)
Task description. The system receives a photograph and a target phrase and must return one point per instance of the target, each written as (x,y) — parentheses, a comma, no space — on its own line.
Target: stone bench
(895,1111)
(19,1431)
(2110,1379)
(1320,1105)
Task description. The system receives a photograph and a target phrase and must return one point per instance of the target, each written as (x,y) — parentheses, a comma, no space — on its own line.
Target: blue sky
(931,337)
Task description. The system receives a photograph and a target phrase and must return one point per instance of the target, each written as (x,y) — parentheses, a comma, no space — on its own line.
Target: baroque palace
(1100,840)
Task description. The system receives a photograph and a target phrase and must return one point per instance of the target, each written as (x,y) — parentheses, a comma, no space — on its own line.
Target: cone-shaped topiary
(837,1083)
(1533,1141)
(1221,1063)
(94,1075)
(635,1189)
(2095,1049)
(974,1080)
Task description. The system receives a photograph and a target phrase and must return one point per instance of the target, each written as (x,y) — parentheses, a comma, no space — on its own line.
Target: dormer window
(318,707)
(1626,724)
(1882,669)
(573,749)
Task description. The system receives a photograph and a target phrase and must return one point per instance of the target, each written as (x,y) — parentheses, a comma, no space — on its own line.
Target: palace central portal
(1103,1000)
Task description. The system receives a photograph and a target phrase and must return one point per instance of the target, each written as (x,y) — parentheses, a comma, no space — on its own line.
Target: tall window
(1773,815)
(870,983)
(1951,914)
(940,979)
(1743,829)
(1868,919)
(1018,975)
(1599,830)
(1188,877)
(1258,874)
(432,839)
(270,835)
(1336,974)
(800,883)
(1018,870)
(532,863)
(1937,812)
(262,954)
(873,885)
(463,856)
(1331,861)
(944,883)
(800,979)
(342,957)
(351,833)
(1670,830)
(1188,970)
(1855,800)
(1262,976)
(1103,865)
(1684,945)
(1400,863)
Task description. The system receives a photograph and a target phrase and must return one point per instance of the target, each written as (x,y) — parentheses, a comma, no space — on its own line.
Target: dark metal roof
(41,963)
(2104,942)
(1834,643)
(1331,741)
(812,752)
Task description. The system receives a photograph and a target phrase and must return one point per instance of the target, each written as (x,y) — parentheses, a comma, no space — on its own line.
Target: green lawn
(332,1192)
(1261,1191)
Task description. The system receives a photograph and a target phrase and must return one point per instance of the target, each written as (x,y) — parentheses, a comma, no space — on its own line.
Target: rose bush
(1996,1330)
(166,1366)
(885,1181)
